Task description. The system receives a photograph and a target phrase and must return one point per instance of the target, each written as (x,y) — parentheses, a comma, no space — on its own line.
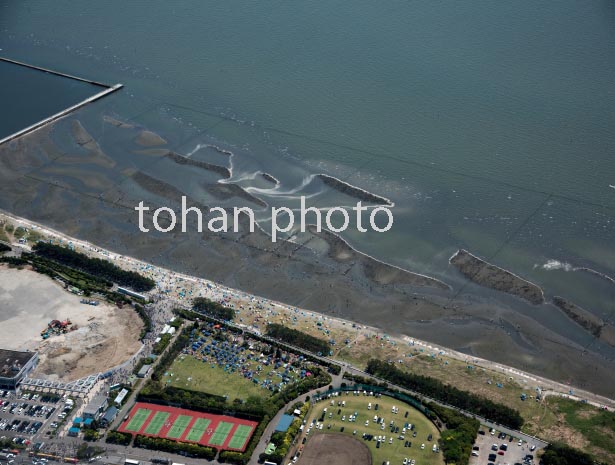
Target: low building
(15,366)
(73,431)
(95,407)
(121,396)
(144,371)
(109,416)
(123,290)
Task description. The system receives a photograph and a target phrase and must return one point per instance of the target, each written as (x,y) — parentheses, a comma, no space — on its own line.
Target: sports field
(219,431)
(414,439)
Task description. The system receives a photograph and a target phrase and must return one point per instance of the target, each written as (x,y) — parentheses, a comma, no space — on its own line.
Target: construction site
(72,340)
(57,327)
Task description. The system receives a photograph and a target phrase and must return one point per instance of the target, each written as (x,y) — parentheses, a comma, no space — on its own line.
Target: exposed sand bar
(353,191)
(181,160)
(491,276)
(374,269)
(270,178)
(587,320)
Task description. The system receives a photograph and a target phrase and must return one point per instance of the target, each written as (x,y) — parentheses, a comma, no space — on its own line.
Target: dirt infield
(335,448)
(219,431)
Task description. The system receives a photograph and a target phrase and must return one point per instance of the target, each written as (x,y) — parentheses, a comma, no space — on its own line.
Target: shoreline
(222,293)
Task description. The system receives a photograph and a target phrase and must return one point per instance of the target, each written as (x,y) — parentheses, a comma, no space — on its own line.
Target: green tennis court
(198,429)
(136,423)
(219,436)
(241,435)
(156,423)
(179,426)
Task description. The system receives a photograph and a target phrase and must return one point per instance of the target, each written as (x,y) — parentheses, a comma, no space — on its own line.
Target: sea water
(489,124)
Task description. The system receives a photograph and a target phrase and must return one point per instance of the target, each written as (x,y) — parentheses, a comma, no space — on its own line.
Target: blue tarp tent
(284,423)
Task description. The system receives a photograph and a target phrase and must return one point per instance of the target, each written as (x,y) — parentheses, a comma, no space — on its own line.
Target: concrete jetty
(107,89)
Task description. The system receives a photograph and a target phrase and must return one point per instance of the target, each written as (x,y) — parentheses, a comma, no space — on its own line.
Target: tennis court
(240,437)
(198,429)
(156,423)
(137,420)
(179,426)
(176,424)
(221,433)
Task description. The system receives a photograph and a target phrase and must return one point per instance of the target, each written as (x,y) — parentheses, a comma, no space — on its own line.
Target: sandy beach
(254,312)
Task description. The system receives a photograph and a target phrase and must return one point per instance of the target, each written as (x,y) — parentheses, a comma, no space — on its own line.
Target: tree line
(95,266)
(173,446)
(457,439)
(213,309)
(298,338)
(562,454)
(446,393)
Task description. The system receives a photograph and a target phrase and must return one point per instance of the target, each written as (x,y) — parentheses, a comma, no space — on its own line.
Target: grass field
(394,452)
(190,373)
(220,431)
(585,427)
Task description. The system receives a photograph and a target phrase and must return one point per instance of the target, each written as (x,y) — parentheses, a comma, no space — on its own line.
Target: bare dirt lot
(335,448)
(105,336)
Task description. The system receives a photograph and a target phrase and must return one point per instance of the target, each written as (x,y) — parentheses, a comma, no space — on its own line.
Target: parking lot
(497,448)
(27,415)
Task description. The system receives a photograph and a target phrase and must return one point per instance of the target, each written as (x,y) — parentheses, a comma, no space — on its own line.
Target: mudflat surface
(50,178)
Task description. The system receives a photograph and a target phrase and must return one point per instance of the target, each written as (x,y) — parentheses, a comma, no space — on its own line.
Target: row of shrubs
(95,266)
(167,445)
(117,437)
(298,338)
(457,439)
(162,344)
(147,321)
(213,309)
(436,389)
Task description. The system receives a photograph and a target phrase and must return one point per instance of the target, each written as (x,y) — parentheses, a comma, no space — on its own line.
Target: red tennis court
(219,431)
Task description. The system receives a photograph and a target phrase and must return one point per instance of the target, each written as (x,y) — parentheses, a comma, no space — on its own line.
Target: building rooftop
(95,404)
(12,361)
(110,414)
